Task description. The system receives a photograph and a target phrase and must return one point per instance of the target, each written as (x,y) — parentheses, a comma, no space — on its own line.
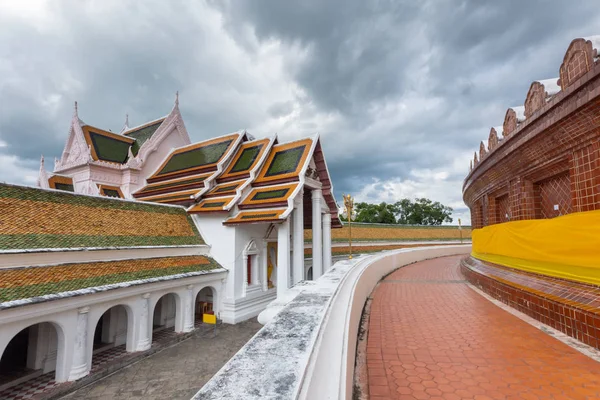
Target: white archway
(167,312)
(205,301)
(33,350)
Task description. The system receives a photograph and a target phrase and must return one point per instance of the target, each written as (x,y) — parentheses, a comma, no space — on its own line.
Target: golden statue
(349,205)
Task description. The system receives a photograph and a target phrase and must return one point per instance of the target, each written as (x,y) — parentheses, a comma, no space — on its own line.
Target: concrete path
(432,337)
(174,373)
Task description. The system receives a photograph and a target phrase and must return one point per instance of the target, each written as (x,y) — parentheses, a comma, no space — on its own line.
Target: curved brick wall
(547,162)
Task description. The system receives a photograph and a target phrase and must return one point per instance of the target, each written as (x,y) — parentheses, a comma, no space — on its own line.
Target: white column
(326,241)
(79,367)
(283,257)
(298,236)
(188,309)
(144,340)
(317,239)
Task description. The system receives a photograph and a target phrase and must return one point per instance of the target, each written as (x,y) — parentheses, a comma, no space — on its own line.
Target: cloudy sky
(400,91)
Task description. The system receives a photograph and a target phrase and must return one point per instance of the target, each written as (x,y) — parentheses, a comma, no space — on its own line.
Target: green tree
(375,213)
(421,212)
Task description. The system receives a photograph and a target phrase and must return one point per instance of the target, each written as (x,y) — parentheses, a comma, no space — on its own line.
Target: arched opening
(31,353)
(165,312)
(205,304)
(110,336)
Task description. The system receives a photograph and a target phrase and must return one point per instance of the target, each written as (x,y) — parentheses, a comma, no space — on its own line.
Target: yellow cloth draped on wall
(564,247)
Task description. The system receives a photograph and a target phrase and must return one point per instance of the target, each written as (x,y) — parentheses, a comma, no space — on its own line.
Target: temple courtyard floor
(431,336)
(174,373)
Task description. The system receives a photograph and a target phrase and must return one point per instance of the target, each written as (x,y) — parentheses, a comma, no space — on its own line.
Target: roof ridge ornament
(177,98)
(75,110)
(43,175)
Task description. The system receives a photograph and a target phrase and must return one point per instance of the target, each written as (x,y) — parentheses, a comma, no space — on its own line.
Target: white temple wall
(155,158)
(221,240)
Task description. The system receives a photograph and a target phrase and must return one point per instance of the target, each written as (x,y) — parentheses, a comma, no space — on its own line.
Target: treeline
(413,212)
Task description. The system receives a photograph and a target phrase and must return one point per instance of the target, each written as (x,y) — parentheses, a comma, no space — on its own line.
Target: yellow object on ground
(564,247)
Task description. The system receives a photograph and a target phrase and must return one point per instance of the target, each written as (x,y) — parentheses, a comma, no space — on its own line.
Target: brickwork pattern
(36,218)
(432,337)
(584,167)
(536,97)
(552,192)
(503,209)
(570,307)
(510,122)
(577,62)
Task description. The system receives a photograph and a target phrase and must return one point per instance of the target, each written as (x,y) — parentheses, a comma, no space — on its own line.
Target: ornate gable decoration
(578,60)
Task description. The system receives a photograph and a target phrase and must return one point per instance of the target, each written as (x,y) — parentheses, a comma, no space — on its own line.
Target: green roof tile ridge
(143,134)
(55,241)
(44,195)
(29,291)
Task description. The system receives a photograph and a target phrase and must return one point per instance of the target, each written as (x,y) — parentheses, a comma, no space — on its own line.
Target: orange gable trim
(278,149)
(250,217)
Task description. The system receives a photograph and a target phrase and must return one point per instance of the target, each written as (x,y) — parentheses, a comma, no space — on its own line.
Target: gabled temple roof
(285,162)
(107,146)
(245,159)
(195,157)
(265,196)
(184,172)
(33,218)
(25,285)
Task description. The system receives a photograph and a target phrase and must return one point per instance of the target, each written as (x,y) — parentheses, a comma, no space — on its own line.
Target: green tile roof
(143,134)
(285,161)
(33,218)
(28,283)
(270,194)
(246,159)
(198,157)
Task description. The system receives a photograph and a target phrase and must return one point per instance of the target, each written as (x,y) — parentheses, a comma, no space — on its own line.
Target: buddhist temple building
(141,232)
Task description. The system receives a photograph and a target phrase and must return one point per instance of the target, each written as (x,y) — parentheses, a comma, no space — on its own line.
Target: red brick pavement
(432,337)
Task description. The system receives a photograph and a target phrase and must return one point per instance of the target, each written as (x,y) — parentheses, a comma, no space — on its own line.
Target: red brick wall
(551,192)
(502,209)
(552,157)
(585,183)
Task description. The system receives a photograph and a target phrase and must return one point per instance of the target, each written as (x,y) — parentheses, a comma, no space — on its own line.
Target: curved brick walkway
(432,337)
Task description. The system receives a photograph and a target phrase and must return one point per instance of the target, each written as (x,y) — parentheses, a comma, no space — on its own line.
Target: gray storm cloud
(400,91)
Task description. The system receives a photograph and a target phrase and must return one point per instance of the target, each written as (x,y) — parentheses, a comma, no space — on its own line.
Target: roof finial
(126,119)
(75,110)
(177,98)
